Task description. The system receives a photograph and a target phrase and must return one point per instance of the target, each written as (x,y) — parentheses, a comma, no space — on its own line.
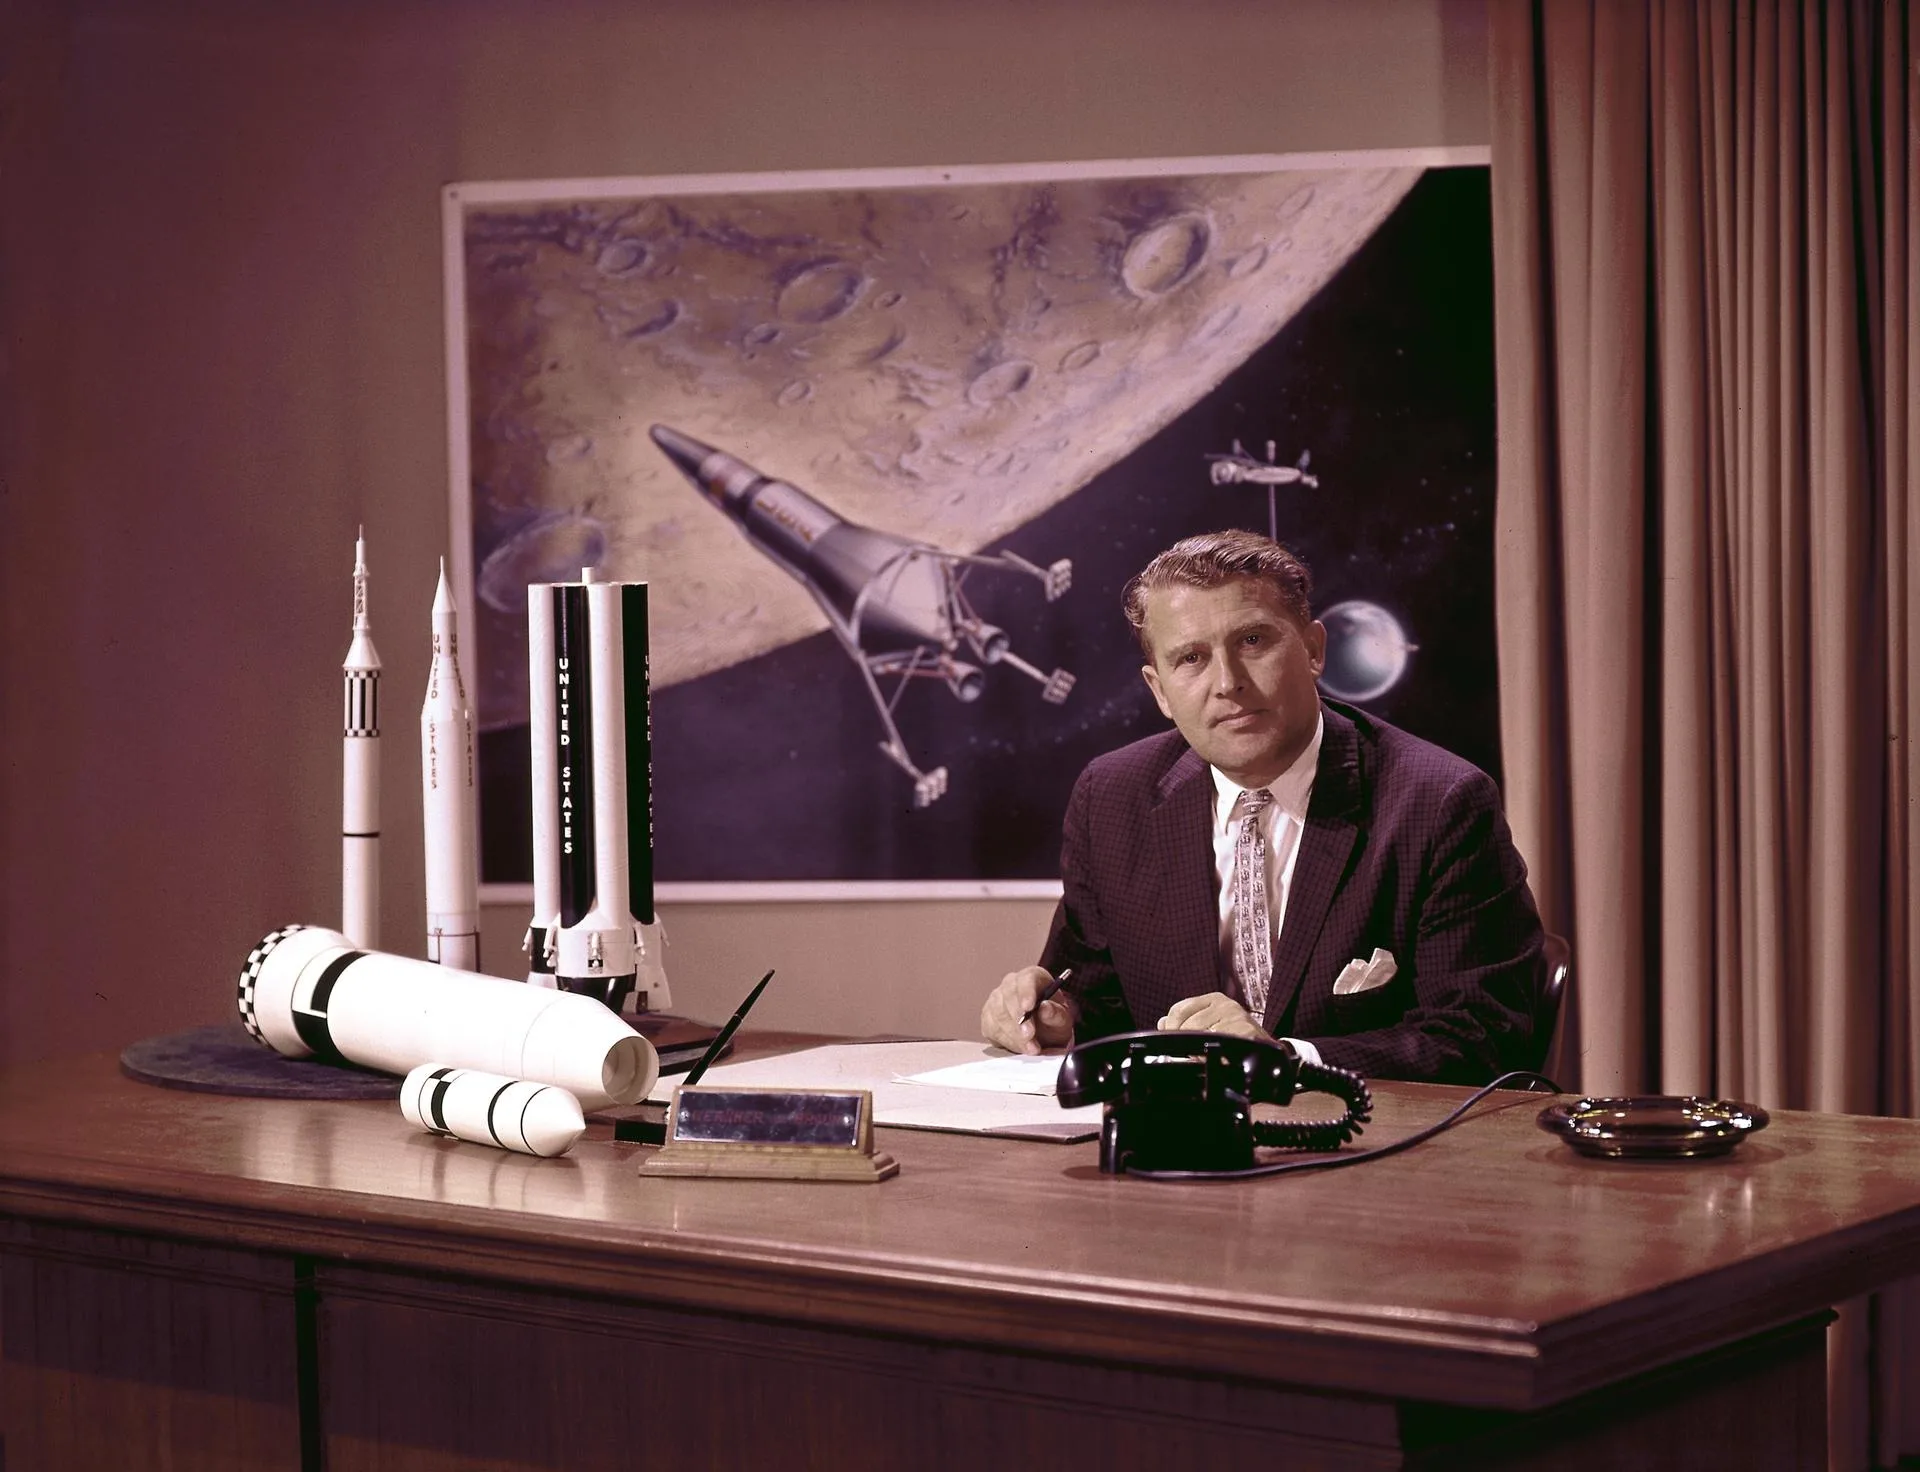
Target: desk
(193,1281)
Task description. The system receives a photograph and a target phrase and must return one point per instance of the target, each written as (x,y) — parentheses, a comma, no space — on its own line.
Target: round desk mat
(223,1058)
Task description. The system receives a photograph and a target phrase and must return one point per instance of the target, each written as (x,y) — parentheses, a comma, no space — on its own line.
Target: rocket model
(594,930)
(306,992)
(449,805)
(895,605)
(360,786)
(543,672)
(512,1113)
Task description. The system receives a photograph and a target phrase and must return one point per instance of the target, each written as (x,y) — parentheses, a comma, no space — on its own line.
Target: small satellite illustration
(886,446)
(1238,468)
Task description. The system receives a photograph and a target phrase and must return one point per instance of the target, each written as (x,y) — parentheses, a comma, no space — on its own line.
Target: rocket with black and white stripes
(360,784)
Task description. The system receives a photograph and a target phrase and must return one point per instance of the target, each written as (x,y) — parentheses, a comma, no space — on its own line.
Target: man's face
(1236,674)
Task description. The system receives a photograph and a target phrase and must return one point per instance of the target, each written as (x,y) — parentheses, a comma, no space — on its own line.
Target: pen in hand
(1047,991)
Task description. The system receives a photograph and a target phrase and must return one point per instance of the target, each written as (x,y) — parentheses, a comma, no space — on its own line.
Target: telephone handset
(1181,1101)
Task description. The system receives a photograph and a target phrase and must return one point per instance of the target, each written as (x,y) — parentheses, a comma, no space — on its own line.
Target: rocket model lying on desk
(594,930)
(306,992)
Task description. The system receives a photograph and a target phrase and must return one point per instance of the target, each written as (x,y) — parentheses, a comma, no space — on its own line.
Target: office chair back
(1556,966)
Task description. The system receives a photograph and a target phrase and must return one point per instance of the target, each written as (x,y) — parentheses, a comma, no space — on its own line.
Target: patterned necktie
(1252,919)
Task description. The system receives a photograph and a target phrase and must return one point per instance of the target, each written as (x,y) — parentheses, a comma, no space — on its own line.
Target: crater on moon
(550,550)
(1165,256)
(1078,358)
(819,291)
(619,257)
(1001,381)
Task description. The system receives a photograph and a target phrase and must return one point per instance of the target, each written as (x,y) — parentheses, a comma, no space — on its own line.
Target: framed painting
(886,446)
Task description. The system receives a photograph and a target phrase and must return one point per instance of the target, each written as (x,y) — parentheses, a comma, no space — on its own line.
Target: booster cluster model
(307,992)
(594,930)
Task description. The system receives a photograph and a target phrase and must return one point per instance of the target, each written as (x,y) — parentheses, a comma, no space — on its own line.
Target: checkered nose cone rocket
(306,992)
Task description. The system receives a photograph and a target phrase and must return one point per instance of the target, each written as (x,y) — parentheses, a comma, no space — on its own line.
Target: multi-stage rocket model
(594,930)
(449,798)
(895,605)
(307,992)
(360,785)
(533,1119)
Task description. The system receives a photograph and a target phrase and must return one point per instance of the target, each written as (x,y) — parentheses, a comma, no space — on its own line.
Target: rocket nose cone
(551,1122)
(683,450)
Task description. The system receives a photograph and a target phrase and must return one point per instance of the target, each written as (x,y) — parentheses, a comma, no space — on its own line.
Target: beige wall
(219,253)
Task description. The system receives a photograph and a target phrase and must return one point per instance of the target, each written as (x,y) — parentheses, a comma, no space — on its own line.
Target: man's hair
(1214,558)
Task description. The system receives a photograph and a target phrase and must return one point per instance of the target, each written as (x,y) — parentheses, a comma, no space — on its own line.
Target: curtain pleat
(1704,222)
(1526,527)
(1897,1321)
(1684,667)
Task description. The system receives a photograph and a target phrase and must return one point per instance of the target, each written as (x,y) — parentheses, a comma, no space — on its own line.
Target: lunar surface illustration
(945,362)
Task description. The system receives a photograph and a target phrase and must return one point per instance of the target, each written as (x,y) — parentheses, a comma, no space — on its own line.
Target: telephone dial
(1181,1102)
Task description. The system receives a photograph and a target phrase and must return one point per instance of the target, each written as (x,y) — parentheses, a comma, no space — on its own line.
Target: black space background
(771,769)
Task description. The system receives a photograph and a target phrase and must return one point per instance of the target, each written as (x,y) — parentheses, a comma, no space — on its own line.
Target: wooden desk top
(1489,1267)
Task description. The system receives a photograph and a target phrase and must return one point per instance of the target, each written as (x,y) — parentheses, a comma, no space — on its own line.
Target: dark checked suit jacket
(1405,847)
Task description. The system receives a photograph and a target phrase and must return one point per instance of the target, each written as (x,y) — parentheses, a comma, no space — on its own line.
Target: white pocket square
(1364,976)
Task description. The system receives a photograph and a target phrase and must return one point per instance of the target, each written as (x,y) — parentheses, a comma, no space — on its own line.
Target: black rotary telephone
(1181,1102)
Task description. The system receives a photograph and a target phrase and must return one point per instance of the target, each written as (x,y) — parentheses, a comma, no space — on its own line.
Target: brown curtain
(1705,278)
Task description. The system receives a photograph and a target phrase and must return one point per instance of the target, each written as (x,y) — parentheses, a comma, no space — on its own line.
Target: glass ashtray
(1653,1126)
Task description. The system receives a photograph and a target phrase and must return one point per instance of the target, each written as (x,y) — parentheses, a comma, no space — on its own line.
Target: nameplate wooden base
(771,1134)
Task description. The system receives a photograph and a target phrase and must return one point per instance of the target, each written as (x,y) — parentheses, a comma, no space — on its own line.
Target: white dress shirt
(1282,822)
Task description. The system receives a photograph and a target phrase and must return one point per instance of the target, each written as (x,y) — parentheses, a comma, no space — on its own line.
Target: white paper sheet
(1005,1073)
(883,1069)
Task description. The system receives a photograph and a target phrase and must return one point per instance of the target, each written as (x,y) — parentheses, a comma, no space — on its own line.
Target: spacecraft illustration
(897,606)
(1367,648)
(1239,468)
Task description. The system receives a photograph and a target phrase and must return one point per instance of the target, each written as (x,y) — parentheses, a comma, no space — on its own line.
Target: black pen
(1047,991)
(726,1034)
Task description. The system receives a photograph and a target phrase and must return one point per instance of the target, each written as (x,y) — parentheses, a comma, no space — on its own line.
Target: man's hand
(1212,1012)
(1005,1018)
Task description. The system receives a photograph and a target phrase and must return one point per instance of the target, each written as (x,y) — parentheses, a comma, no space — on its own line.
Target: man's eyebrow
(1258,625)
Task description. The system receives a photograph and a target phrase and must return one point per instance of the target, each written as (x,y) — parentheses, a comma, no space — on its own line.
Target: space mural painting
(887,445)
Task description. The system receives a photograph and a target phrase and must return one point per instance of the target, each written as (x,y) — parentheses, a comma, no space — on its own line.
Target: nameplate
(770,1134)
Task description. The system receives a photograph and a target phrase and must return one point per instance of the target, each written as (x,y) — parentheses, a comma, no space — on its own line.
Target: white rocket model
(594,928)
(544,671)
(306,992)
(360,785)
(603,945)
(512,1113)
(449,801)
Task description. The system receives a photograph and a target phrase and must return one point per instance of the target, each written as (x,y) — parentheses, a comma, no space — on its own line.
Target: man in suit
(1279,865)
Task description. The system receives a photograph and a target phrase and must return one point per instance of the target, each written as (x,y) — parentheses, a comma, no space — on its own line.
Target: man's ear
(1316,635)
(1152,677)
